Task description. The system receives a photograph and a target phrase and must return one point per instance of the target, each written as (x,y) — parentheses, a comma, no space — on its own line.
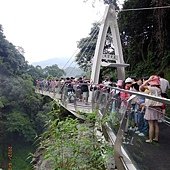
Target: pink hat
(155,81)
(119,83)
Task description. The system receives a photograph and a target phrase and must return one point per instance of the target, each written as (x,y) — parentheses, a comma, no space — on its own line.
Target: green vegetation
(69,144)
(22,111)
(20,152)
(145,37)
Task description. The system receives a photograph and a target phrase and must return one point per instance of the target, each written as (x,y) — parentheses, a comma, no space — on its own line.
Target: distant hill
(61,62)
(73,72)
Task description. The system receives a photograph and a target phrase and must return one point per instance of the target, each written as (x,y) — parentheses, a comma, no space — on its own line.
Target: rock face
(39,162)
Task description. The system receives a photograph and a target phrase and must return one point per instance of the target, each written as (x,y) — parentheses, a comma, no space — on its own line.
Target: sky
(48,28)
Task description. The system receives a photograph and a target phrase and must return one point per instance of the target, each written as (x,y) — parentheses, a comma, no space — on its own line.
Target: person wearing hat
(129,80)
(152,115)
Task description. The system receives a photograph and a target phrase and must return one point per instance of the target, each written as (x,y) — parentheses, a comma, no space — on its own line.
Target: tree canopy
(22,111)
(144,35)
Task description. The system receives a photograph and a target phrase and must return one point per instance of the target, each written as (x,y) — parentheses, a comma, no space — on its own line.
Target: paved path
(80,106)
(155,156)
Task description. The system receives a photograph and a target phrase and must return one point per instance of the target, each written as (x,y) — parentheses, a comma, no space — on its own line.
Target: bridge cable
(91,45)
(70,58)
(87,43)
(87,54)
(140,9)
(82,53)
(73,55)
(90,40)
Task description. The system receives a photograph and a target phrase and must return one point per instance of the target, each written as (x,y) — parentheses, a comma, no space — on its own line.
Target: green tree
(54,71)
(20,107)
(145,45)
(35,72)
(11,60)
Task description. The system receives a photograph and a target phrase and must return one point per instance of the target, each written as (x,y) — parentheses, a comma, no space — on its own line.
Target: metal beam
(109,20)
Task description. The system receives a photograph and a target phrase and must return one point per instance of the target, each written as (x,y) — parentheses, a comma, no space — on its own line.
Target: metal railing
(108,104)
(119,114)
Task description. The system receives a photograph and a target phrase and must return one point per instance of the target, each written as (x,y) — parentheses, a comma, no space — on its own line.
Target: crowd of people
(144,118)
(69,87)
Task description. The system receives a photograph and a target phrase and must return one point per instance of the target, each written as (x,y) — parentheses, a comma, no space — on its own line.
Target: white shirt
(107,83)
(164,85)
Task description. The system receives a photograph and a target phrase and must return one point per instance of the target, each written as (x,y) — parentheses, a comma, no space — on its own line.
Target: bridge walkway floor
(145,156)
(151,156)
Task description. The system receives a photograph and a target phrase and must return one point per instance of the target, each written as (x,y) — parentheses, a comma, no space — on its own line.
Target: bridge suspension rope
(141,9)
(86,44)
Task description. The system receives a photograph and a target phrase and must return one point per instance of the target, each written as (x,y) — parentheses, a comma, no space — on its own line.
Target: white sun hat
(128,80)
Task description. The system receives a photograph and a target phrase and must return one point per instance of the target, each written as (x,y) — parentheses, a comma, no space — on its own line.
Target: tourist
(152,114)
(85,91)
(164,85)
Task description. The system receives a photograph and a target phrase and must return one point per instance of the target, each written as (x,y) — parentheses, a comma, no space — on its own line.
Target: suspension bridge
(130,150)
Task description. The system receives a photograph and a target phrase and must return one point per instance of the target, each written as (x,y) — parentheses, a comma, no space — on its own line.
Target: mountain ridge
(62,64)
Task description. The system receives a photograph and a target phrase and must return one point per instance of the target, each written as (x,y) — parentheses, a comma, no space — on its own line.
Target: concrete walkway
(154,156)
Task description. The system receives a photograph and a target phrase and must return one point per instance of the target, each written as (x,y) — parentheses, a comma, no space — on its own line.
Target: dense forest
(145,36)
(23,113)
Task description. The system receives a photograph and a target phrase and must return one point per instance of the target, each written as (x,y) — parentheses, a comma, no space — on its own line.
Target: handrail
(103,101)
(119,158)
(157,98)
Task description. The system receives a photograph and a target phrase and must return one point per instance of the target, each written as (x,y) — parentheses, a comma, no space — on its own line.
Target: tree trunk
(159,31)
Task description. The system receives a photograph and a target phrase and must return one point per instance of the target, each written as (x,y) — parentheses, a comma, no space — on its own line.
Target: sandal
(148,141)
(155,140)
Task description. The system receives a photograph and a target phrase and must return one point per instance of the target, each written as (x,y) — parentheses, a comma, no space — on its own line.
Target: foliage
(22,111)
(20,107)
(35,72)
(145,45)
(11,60)
(53,71)
(114,2)
(42,73)
(19,123)
(71,145)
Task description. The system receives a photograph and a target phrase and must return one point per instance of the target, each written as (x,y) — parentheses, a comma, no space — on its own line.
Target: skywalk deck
(71,107)
(144,156)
